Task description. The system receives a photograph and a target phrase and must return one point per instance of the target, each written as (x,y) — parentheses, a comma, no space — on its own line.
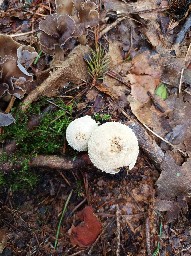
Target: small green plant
(102,117)
(161,91)
(157,250)
(98,63)
(61,219)
(79,188)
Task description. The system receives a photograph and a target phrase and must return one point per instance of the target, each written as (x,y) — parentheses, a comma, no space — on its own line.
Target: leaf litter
(147,86)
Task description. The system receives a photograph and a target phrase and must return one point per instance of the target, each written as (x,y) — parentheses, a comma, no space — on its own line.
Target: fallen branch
(50,162)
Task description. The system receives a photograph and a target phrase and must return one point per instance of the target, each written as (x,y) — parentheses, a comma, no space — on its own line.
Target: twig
(118,230)
(50,162)
(148,237)
(103,230)
(181,79)
(183,31)
(117,77)
(187,58)
(166,141)
(114,24)
(77,206)
(66,180)
(77,253)
(61,218)
(23,34)
(11,103)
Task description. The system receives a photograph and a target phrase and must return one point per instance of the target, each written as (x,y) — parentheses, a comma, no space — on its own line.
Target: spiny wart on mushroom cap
(113,145)
(78,132)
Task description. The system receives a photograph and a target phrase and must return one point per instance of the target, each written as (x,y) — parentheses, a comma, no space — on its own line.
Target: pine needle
(61,218)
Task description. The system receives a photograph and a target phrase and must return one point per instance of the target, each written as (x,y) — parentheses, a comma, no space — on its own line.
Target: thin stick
(11,103)
(103,230)
(76,253)
(118,230)
(148,237)
(61,174)
(181,79)
(187,57)
(166,141)
(23,34)
(77,206)
(61,218)
(114,24)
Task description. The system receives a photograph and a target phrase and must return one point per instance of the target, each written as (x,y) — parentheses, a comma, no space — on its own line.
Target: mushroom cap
(113,145)
(78,132)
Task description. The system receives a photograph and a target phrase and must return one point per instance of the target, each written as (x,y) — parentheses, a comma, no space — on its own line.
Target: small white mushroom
(78,132)
(113,145)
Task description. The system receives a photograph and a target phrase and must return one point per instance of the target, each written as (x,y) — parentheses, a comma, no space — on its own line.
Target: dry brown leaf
(140,85)
(88,230)
(114,54)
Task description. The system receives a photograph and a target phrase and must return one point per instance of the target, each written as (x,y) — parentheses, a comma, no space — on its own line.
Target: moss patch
(45,136)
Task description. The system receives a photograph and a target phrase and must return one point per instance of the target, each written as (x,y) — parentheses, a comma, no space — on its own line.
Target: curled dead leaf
(88,230)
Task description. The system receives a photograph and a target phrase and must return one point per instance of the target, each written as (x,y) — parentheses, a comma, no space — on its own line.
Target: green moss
(102,117)
(46,138)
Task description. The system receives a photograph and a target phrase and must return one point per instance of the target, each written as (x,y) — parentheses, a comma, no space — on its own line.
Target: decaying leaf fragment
(174,180)
(60,31)
(64,6)
(149,108)
(15,59)
(57,31)
(87,14)
(144,77)
(6,119)
(73,69)
(84,234)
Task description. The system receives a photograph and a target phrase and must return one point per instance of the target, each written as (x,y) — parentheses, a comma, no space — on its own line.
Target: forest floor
(116,61)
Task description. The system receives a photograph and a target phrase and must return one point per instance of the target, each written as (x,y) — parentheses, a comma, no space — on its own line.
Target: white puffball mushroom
(78,132)
(113,145)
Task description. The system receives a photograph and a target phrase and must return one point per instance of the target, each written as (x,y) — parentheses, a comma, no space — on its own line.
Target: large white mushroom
(113,145)
(78,132)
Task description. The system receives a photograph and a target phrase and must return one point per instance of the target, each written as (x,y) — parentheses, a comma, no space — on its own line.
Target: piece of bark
(73,69)
(147,144)
(174,180)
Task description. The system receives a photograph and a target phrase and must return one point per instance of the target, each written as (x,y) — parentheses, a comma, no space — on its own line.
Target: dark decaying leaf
(69,23)
(174,180)
(64,6)
(6,119)
(15,59)
(87,13)
(56,30)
